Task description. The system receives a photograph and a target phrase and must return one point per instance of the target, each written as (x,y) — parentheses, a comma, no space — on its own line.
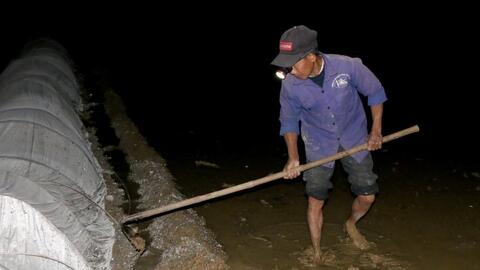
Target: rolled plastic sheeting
(45,156)
(33,233)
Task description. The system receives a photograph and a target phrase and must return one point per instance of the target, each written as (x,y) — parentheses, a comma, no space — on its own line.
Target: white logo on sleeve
(341,81)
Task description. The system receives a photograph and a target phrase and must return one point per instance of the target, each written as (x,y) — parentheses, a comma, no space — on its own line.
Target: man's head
(295,44)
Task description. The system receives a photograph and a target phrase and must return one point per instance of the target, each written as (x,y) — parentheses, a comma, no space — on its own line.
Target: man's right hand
(291,169)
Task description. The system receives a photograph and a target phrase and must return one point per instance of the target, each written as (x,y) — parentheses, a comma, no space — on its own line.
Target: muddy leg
(360,207)
(315,222)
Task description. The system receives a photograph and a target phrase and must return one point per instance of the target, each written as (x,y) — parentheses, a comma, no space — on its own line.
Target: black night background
(210,73)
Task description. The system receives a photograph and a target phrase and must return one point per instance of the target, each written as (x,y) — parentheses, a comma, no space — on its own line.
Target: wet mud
(425,217)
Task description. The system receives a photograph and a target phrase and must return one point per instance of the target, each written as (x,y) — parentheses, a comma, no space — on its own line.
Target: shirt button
(328,107)
(323,91)
(333,123)
(338,139)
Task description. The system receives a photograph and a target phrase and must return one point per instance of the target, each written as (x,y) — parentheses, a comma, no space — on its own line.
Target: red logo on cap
(286,46)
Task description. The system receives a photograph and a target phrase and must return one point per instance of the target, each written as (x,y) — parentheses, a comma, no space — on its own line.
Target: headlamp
(281,73)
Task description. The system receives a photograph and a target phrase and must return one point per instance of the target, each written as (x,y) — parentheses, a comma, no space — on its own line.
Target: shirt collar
(329,69)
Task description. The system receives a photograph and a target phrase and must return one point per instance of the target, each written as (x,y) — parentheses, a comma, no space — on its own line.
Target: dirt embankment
(178,240)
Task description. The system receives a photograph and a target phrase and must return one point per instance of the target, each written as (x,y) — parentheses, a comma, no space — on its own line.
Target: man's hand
(375,137)
(374,140)
(291,169)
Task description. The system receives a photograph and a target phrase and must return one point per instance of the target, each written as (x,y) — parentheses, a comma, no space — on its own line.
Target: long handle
(263,180)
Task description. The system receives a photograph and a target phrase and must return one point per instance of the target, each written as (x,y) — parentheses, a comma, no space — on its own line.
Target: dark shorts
(360,175)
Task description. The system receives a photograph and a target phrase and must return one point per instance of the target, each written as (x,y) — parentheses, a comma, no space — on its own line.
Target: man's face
(303,68)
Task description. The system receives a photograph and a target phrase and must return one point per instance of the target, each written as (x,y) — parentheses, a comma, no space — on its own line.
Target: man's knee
(366,199)
(315,204)
(318,182)
(361,175)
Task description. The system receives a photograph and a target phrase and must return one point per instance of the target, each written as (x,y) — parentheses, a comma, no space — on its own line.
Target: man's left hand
(374,141)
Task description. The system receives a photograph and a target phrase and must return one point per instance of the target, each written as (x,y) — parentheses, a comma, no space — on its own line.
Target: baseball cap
(295,43)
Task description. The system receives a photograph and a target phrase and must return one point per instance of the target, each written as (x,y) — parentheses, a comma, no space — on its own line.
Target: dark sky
(208,72)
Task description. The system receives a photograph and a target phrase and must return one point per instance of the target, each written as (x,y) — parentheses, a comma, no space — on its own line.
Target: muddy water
(427,215)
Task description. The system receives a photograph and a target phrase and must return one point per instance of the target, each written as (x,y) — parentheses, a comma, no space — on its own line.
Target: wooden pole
(260,181)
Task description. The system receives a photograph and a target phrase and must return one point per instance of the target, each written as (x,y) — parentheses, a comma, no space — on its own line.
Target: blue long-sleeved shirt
(331,115)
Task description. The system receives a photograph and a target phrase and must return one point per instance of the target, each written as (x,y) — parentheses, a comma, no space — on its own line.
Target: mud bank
(178,240)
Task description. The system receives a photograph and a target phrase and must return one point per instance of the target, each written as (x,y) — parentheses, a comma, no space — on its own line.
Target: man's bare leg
(315,222)
(360,207)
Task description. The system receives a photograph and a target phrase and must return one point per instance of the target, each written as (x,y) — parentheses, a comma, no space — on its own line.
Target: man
(321,93)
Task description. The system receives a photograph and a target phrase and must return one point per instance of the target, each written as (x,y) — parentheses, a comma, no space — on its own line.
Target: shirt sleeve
(289,112)
(368,84)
